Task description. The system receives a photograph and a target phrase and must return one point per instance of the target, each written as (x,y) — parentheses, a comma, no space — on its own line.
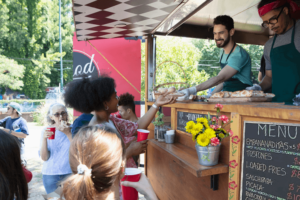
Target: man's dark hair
(225,20)
(13,184)
(89,95)
(127,101)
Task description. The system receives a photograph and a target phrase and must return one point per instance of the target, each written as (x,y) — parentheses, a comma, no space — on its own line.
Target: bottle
(16,128)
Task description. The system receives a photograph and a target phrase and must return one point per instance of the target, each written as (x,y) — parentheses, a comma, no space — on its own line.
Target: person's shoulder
(268,44)
(240,52)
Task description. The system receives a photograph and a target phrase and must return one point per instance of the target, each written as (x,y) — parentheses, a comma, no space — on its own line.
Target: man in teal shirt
(235,62)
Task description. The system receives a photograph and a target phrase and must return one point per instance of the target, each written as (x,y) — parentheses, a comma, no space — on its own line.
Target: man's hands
(187,92)
(135,148)
(143,186)
(254,87)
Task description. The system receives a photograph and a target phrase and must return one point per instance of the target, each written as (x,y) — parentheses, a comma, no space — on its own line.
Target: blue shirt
(58,162)
(21,122)
(240,61)
(81,121)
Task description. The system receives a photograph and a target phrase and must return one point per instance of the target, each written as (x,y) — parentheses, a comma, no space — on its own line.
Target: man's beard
(225,43)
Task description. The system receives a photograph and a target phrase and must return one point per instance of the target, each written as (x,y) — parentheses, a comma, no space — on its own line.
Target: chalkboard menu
(271,161)
(184,117)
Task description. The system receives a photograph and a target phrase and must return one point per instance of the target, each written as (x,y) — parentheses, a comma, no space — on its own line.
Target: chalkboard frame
(243,146)
(202,112)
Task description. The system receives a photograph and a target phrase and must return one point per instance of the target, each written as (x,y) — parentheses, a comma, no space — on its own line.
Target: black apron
(232,84)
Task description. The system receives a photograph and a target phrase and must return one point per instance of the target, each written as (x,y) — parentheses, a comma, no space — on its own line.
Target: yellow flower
(203,140)
(221,135)
(194,136)
(210,133)
(197,129)
(190,126)
(202,120)
(206,126)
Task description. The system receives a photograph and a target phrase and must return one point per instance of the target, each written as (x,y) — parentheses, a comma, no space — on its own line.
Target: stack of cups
(132,175)
(170,136)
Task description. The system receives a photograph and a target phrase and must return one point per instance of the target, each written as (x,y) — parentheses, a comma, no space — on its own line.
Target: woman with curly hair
(55,152)
(100,96)
(127,107)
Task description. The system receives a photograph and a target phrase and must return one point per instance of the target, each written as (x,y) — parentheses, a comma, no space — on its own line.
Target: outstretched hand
(162,100)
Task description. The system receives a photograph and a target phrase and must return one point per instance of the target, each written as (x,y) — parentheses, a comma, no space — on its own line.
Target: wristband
(155,106)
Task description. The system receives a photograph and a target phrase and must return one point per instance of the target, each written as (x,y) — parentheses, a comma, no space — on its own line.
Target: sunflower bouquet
(209,131)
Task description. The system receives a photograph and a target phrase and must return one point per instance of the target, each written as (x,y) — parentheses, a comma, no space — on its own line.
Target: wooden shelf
(188,159)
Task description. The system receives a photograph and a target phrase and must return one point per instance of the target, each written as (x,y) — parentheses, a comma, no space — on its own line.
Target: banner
(118,58)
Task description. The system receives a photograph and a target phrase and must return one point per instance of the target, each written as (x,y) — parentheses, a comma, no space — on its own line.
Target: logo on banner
(84,66)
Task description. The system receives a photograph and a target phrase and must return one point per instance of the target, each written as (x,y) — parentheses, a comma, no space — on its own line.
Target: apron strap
(229,53)
(295,91)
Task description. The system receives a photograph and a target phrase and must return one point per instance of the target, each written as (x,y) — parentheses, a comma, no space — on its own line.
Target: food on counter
(248,93)
(171,90)
(162,90)
(243,93)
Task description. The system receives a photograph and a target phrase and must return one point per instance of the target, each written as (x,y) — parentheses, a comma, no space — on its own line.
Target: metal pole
(60,50)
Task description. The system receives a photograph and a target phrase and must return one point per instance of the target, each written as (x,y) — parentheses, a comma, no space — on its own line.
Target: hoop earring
(106,108)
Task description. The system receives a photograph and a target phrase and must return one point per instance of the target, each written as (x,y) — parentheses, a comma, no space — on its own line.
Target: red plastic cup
(52,129)
(132,175)
(118,115)
(142,135)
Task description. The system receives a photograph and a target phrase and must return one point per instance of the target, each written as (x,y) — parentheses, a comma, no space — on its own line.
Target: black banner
(271,161)
(84,66)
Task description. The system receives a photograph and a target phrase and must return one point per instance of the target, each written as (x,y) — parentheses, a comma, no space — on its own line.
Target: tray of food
(241,96)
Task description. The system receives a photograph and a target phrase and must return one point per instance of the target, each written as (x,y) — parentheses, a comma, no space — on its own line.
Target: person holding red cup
(54,147)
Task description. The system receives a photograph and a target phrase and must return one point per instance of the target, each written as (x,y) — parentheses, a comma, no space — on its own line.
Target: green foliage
(211,56)
(29,30)
(158,119)
(181,51)
(11,74)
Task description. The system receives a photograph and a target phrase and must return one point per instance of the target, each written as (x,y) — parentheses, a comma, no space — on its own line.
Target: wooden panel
(173,182)
(235,157)
(187,158)
(263,110)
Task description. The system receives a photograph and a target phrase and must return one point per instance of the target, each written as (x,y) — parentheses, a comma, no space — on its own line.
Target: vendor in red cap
(282,52)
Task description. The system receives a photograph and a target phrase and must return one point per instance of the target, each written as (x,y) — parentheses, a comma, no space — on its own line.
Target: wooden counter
(173,169)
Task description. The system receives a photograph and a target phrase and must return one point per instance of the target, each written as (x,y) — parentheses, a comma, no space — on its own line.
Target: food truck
(261,160)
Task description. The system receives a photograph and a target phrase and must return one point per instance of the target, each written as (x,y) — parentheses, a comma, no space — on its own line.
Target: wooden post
(235,155)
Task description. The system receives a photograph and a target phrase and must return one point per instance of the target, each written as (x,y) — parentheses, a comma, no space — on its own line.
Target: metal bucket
(208,156)
(169,139)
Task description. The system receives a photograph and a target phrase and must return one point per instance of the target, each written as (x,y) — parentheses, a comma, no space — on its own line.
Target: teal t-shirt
(240,61)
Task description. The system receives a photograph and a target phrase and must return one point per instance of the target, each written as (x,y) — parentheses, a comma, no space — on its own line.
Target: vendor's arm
(219,88)
(144,121)
(267,81)
(226,73)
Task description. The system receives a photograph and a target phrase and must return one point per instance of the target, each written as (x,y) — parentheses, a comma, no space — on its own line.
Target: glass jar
(161,134)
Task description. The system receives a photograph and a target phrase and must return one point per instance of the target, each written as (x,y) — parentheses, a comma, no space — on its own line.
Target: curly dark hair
(225,20)
(127,101)
(89,95)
